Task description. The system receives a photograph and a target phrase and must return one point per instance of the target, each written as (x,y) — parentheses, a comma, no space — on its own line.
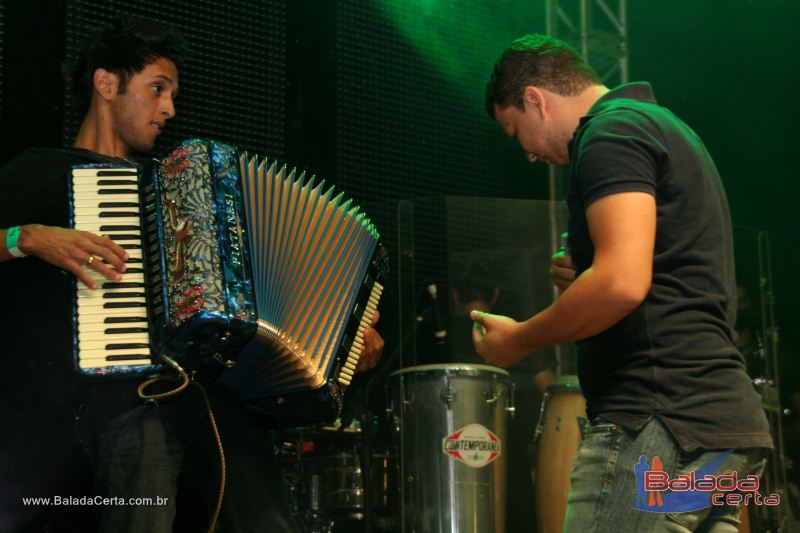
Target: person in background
(475,286)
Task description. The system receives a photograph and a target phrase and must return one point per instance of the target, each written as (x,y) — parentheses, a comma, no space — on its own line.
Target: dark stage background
(385,97)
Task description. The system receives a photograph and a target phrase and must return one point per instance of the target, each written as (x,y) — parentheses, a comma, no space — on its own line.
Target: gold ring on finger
(90,260)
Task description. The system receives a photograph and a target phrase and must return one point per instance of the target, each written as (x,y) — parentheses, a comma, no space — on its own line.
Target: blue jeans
(604,490)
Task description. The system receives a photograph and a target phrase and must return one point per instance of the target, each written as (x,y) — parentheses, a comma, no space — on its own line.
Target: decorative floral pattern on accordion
(190,232)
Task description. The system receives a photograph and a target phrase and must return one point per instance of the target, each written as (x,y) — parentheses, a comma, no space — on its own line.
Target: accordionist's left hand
(78,252)
(373,346)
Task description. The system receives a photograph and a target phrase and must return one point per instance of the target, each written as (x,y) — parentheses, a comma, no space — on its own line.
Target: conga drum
(452,423)
(557,438)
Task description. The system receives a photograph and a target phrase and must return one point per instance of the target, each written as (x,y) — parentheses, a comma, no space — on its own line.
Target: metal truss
(598,29)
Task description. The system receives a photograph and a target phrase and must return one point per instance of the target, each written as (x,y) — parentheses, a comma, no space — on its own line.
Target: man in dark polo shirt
(649,290)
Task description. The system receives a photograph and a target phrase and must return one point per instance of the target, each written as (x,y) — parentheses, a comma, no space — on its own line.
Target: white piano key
(95,227)
(127,277)
(101,360)
(93,187)
(86,302)
(87,299)
(102,326)
(102,353)
(96,210)
(133,312)
(102,363)
(102,344)
(96,318)
(111,338)
(80,220)
(88,210)
(139,285)
(87,197)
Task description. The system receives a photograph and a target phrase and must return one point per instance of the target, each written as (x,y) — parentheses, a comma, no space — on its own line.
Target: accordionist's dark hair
(124,47)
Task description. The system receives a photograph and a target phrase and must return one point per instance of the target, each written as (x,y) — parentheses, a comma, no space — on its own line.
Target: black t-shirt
(674,357)
(40,453)
(35,319)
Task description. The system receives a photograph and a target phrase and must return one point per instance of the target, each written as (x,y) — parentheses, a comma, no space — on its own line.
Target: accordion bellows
(312,250)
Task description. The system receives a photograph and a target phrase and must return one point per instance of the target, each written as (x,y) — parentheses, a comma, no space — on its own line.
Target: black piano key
(115,331)
(120,228)
(109,205)
(124,319)
(117,191)
(117,182)
(125,237)
(127,346)
(134,260)
(134,270)
(131,246)
(118,214)
(128,357)
(124,295)
(122,285)
(117,172)
(120,305)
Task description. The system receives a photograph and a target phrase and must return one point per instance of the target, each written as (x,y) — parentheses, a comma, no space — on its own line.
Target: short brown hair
(538,60)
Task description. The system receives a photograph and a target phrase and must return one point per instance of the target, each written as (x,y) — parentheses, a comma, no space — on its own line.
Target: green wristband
(11,242)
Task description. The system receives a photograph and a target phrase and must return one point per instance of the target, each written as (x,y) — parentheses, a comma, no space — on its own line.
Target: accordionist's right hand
(373,346)
(78,252)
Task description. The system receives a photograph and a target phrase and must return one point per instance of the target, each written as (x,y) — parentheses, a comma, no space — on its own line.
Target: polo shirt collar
(638,90)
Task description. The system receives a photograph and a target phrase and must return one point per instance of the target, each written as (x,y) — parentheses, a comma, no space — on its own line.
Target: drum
(337,482)
(557,438)
(452,422)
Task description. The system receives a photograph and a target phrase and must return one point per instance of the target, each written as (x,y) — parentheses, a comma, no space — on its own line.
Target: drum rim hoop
(453,368)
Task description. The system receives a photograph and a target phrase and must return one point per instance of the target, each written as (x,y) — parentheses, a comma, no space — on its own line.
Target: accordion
(241,270)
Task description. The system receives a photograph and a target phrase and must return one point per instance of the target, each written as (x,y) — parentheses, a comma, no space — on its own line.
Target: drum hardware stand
(511,409)
(775,473)
(448,395)
(386,365)
(407,399)
(490,397)
(314,520)
(389,409)
(363,479)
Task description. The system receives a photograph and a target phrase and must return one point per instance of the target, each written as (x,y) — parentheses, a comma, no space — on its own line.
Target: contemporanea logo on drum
(474,445)
(657,493)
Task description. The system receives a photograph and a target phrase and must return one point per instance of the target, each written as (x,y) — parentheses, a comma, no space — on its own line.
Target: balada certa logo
(658,493)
